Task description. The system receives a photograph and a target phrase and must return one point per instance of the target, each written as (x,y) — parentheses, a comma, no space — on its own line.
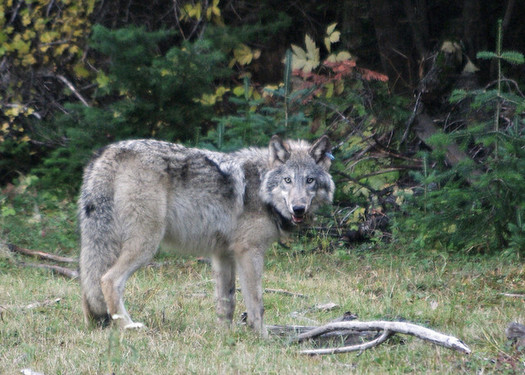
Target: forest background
(423,101)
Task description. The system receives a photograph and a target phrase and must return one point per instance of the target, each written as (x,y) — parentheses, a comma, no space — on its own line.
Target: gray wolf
(228,206)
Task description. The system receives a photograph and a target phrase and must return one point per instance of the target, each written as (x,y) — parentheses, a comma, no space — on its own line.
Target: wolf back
(229,206)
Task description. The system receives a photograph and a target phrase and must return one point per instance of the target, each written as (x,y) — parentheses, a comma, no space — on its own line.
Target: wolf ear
(321,152)
(279,151)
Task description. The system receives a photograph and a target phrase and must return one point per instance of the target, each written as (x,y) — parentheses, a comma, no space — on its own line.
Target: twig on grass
(72,274)
(515,295)
(285,292)
(40,254)
(47,302)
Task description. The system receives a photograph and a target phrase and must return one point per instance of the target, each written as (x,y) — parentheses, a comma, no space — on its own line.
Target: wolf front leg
(250,264)
(224,274)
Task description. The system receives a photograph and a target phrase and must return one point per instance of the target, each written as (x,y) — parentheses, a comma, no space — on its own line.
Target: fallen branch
(388,328)
(72,274)
(40,254)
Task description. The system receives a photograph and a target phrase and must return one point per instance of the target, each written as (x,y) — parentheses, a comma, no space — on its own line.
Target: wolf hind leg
(135,253)
(224,274)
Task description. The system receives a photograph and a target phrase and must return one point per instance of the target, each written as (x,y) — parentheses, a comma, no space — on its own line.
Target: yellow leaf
(29,34)
(39,25)
(329,89)
(13,111)
(48,36)
(221,90)
(26,19)
(80,71)
(327,43)
(298,57)
(208,99)
(191,11)
(331,58)
(330,29)
(213,10)
(238,91)
(28,60)
(269,90)
(470,67)
(343,56)
(102,79)
(74,49)
(5,127)
(243,54)
(312,52)
(334,37)
(60,49)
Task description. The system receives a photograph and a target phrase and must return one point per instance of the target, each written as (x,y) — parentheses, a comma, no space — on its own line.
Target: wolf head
(297,181)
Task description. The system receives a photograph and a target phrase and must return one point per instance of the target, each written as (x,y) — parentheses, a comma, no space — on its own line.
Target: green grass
(455,294)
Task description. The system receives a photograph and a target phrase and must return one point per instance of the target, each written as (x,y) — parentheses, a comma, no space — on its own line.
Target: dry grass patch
(456,295)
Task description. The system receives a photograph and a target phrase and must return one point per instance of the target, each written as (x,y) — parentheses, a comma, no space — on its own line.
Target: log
(388,329)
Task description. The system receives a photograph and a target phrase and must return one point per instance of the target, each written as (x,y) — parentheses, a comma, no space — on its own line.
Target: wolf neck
(280,221)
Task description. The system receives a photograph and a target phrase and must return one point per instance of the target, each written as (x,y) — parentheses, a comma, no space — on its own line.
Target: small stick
(513,295)
(72,274)
(47,302)
(40,254)
(285,292)
(351,348)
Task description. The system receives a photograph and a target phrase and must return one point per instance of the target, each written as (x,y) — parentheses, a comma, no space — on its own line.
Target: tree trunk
(392,46)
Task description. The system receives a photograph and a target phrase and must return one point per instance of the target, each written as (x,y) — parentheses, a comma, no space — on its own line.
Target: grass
(455,294)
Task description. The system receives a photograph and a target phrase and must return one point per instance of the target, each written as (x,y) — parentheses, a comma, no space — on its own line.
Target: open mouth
(297,219)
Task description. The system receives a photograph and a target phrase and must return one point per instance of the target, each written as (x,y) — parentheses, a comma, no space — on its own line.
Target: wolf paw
(134,326)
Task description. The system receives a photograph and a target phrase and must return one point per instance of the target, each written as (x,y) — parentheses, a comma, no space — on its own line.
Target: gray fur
(137,194)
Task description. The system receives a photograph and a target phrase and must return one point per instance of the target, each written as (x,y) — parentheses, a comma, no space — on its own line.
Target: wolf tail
(100,245)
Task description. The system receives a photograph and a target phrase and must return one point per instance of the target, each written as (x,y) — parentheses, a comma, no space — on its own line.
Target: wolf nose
(299,210)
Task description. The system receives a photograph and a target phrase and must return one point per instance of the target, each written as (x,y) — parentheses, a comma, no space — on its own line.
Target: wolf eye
(288,180)
(310,180)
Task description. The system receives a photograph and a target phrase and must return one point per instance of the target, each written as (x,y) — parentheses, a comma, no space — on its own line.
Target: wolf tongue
(297,219)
